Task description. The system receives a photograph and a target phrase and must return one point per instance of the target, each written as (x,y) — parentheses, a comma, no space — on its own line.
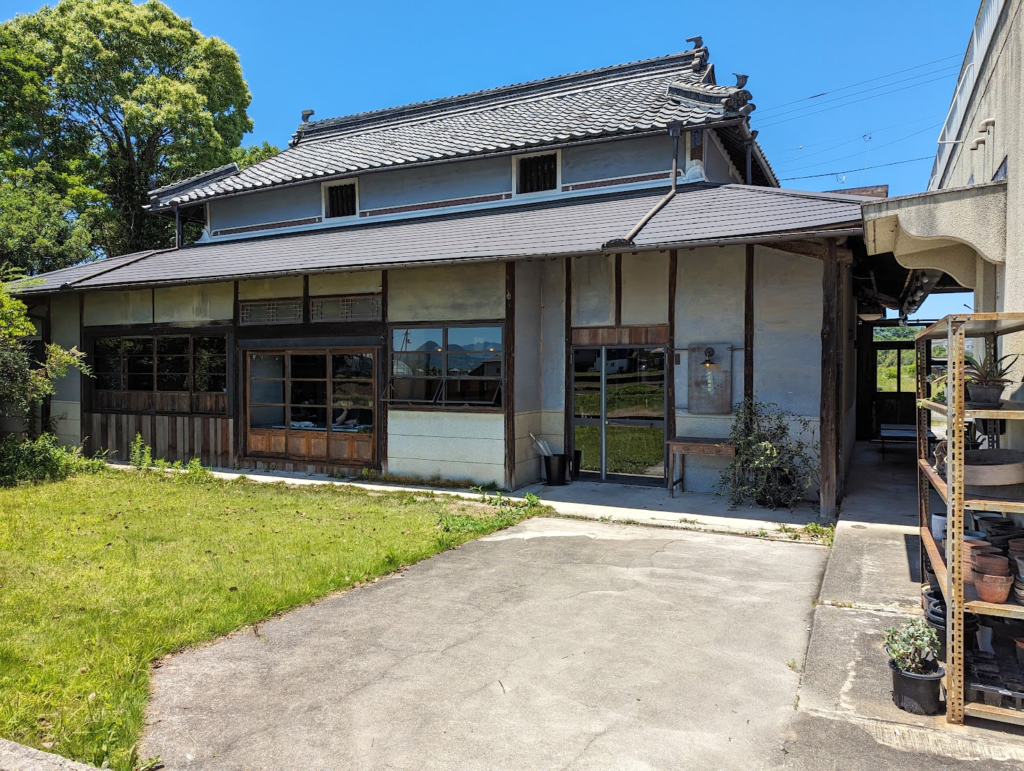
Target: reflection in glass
(172,346)
(587,383)
(587,440)
(309,392)
(266,365)
(308,418)
(474,364)
(266,392)
(261,416)
(309,366)
(352,393)
(416,339)
(352,365)
(635,450)
(415,389)
(416,364)
(486,339)
(484,392)
(635,387)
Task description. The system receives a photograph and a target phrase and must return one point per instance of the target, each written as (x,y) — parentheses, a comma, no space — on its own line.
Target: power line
(864,91)
(861,83)
(864,168)
(851,137)
(854,155)
(855,101)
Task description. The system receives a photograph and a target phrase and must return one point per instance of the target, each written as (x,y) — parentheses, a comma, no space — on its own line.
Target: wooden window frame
(287,431)
(243,303)
(515,174)
(324,214)
(437,404)
(370,295)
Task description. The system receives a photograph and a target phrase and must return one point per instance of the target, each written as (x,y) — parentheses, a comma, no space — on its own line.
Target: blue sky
(343,57)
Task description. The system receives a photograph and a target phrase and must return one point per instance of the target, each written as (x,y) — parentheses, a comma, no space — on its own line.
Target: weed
(687,520)
(825,534)
(762,533)
(791,663)
(140,454)
(628,522)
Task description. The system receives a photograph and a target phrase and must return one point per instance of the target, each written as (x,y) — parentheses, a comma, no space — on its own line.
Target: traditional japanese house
(420,289)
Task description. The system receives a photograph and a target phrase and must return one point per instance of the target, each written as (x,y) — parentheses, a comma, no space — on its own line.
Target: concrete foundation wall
(449,445)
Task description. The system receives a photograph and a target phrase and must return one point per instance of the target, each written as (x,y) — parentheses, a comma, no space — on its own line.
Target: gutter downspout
(178,236)
(674,132)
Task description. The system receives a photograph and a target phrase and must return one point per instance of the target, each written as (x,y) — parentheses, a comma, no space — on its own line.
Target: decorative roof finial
(698,42)
(306,115)
(741,79)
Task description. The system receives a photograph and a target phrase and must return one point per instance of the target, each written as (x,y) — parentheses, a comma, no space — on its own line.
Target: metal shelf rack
(961,597)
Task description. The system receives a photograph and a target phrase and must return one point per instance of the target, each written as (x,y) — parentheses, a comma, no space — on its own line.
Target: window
(1000,174)
(171,363)
(448,366)
(536,173)
(303,391)
(355,308)
(270,311)
(340,200)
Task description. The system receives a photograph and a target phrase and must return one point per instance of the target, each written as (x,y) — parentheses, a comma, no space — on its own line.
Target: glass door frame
(603,421)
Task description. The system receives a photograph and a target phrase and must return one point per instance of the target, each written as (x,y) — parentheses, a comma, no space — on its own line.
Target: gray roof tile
(698,214)
(625,99)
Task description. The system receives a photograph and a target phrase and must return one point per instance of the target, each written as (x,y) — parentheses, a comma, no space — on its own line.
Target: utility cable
(839,141)
(854,155)
(864,168)
(855,101)
(862,82)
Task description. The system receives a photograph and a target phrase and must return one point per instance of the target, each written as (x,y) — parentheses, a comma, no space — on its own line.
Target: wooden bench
(681,446)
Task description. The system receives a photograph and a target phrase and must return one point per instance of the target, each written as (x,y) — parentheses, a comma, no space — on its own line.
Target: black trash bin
(577,461)
(554,468)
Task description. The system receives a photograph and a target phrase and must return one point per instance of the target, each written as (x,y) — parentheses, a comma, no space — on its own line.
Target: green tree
(247,156)
(25,383)
(45,224)
(128,96)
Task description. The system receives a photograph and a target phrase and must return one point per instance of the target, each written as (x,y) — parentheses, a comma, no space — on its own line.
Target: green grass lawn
(104,573)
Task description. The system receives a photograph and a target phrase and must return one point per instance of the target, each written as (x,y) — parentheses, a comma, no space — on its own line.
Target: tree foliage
(126,97)
(24,383)
(247,156)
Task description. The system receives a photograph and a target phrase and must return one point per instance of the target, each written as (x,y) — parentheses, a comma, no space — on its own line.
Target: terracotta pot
(992,565)
(994,589)
(993,467)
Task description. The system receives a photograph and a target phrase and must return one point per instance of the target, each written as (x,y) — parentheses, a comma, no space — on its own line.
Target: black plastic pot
(917,694)
(577,461)
(554,469)
(935,617)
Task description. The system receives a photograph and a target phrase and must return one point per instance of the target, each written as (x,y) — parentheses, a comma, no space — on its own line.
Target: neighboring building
(970,224)
(420,289)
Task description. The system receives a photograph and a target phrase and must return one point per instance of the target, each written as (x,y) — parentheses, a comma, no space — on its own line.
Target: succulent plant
(913,646)
(989,371)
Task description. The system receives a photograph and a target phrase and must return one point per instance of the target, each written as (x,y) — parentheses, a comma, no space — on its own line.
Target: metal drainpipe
(674,132)
(177,227)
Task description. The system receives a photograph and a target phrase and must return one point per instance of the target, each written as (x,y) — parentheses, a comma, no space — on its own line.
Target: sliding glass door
(618,401)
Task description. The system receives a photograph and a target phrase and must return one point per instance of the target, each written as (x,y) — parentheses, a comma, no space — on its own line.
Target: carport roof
(699,215)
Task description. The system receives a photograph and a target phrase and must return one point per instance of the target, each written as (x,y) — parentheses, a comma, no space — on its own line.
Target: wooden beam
(670,349)
(508,346)
(829,382)
(748,326)
(567,442)
(841,339)
(618,290)
(384,368)
(811,249)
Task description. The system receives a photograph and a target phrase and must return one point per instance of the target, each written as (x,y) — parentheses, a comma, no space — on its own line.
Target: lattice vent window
(271,312)
(361,308)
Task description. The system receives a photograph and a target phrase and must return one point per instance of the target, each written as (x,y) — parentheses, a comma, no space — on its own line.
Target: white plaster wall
(528,358)
(787,331)
(354,282)
(645,288)
(270,288)
(199,302)
(66,404)
(593,291)
(448,293)
(112,308)
(450,445)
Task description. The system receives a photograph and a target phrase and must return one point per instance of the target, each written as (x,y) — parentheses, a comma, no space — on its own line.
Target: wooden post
(568,444)
(508,346)
(384,373)
(748,326)
(829,381)
(670,349)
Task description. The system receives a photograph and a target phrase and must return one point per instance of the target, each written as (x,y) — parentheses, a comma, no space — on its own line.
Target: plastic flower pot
(917,694)
(938,526)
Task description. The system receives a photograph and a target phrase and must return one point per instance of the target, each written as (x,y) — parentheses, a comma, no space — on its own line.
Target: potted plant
(916,674)
(987,379)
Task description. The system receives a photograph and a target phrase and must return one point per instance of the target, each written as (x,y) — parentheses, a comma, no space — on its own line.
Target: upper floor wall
(459,185)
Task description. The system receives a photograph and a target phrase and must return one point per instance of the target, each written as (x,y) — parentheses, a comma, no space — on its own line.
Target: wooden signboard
(709,388)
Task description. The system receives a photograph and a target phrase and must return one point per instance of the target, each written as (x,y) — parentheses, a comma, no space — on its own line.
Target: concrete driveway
(556,644)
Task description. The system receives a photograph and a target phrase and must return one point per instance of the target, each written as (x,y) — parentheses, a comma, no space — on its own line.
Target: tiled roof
(699,214)
(626,99)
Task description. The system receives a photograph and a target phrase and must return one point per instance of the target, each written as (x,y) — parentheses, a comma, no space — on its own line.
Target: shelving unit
(949,568)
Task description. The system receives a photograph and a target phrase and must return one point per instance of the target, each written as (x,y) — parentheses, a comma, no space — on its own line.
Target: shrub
(40,460)
(913,646)
(771,467)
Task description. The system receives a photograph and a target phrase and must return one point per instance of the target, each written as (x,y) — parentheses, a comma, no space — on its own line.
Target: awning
(699,215)
(946,230)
